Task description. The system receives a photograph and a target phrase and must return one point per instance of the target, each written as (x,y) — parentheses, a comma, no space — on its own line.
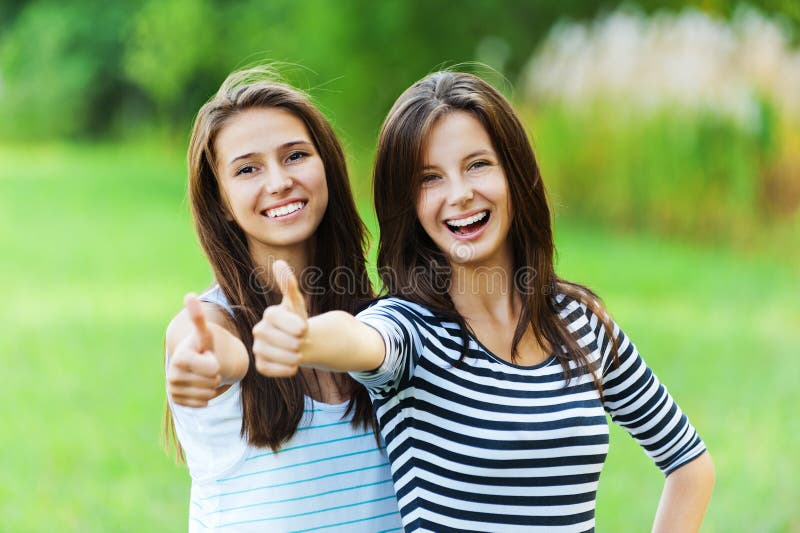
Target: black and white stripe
(490,446)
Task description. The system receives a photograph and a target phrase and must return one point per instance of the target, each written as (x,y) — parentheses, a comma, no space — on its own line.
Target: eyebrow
(281,147)
(476,153)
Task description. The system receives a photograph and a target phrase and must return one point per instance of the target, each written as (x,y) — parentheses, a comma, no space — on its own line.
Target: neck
(263,257)
(478,290)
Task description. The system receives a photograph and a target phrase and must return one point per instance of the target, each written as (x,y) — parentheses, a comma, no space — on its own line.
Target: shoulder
(394,306)
(181,325)
(571,307)
(399,318)
(582,310)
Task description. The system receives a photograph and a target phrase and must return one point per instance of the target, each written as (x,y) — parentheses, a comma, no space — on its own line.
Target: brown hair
(272,407)
(413,267)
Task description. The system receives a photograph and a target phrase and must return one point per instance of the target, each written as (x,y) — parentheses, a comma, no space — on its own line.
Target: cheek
(321,192)
(242,198)
(503,196)
(228,201)
(315,182)
(426,211)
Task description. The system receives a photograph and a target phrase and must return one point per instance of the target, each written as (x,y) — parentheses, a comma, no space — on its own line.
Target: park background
(669,137)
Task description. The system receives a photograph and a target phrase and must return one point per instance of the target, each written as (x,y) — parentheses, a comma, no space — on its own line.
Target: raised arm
(204,356)
(286,338)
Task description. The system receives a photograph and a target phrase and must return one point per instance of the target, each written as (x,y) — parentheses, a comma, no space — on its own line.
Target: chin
(464,254)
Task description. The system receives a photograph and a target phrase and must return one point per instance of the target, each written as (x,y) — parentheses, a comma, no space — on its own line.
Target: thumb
(287,283)
(205,341)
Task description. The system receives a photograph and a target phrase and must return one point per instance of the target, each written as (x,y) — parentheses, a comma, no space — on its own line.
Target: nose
(460,192)
(277,181)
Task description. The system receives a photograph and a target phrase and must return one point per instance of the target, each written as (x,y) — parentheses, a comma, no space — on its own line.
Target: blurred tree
(170,47)
(89,67)
(59,66)
(9,9)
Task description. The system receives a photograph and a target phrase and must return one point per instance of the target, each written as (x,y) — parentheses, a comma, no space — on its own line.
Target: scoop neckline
(312,404)
(499,359)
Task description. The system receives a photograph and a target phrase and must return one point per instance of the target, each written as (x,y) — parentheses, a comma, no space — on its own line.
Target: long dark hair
(413,267)
(272,407)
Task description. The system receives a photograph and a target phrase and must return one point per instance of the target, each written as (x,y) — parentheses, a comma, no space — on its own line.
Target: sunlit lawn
(98,250)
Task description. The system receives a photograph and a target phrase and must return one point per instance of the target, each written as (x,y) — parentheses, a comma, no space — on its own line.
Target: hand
(193,373)
(278,338)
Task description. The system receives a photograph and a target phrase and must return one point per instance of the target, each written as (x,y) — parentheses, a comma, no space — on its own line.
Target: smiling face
(272,178)
(463,203)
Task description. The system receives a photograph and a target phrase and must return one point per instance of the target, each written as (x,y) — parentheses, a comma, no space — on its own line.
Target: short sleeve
(399,324)
(638,402)
(211,436)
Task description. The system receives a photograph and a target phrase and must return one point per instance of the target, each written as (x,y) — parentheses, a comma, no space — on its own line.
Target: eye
(427,179)
(247,169)
(478,164)
(296,156)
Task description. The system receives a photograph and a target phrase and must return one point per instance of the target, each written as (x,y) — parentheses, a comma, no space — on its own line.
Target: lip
(468,214)
(474,235)
(290,216)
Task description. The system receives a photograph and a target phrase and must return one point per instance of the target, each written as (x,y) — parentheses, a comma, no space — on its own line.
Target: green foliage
(93,68)
(166,50)
(59,69)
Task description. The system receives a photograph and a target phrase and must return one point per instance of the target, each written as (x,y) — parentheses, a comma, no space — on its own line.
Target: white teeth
(285,209)
(461,222)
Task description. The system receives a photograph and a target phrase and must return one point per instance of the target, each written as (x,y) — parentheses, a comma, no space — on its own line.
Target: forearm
(685,498)
(230,353)
(337,341)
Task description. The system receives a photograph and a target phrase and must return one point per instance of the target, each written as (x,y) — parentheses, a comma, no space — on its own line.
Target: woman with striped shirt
(490,375)
(267,179)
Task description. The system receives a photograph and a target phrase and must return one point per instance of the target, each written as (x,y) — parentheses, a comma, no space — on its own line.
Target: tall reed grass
(677,123)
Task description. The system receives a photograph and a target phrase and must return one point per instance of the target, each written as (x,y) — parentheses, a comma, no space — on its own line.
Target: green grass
(98,251)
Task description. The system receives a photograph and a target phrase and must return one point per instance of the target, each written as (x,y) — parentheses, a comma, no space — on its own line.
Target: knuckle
(184,360)
(175,379)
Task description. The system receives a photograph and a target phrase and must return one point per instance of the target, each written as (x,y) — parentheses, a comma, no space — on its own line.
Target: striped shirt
(486,445)
(329,476)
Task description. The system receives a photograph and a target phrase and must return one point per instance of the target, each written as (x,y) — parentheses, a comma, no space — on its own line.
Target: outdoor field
(98,251)
(668,137)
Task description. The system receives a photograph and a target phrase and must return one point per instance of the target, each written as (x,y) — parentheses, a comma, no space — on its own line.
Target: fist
(193,371)
(279,336)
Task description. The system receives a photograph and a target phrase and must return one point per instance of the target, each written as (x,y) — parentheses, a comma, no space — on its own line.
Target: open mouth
(468,225)
(284,210)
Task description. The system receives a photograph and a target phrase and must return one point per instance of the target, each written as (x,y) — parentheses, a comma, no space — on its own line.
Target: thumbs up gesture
(193,373)
(278,338)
